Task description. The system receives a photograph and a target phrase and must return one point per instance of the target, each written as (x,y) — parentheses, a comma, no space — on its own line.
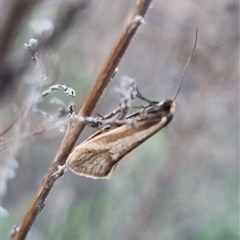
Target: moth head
(169,106)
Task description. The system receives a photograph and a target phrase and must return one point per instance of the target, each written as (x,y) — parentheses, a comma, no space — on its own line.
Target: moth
(98,156)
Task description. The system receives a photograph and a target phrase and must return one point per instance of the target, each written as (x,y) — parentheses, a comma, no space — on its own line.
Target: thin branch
(76,128)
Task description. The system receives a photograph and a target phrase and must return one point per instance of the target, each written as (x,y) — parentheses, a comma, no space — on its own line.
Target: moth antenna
(186,65)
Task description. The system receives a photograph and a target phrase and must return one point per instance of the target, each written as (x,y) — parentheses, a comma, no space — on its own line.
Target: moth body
(98,156)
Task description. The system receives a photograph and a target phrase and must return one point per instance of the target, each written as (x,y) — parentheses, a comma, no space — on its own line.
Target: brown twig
(76,128)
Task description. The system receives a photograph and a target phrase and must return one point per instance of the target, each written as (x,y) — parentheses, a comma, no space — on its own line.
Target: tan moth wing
(98,157)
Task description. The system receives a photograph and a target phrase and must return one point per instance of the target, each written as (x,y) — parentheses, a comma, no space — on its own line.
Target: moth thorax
(169,105)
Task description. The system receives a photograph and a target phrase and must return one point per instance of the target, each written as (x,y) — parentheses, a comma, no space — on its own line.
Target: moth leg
(127,95)
(111,114)
(100,120)
(128,92)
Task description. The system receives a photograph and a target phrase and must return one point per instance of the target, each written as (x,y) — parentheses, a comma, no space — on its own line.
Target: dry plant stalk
(76,128)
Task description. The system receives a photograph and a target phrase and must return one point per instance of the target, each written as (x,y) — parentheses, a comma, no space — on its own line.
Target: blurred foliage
(183,183)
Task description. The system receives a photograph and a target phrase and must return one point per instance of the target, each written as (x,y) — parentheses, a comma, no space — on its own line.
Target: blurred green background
(183,183)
